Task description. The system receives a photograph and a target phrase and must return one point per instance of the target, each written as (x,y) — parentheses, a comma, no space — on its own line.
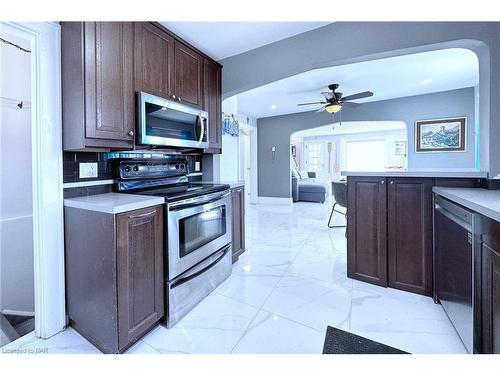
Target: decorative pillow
(303,174)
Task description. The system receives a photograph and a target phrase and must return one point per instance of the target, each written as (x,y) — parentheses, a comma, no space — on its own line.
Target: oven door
(166,123)
(197,228)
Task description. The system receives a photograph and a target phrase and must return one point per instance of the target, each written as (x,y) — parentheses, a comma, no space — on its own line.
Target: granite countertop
(232,184)
(483,201)
(436,173)
(113,203)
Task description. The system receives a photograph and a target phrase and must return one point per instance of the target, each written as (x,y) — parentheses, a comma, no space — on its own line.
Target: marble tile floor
(284,291)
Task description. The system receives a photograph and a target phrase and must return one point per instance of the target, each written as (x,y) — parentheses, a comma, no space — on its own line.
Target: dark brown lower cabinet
(389,232)
(409,244)
(238,220)
(367,229)
(490,287)
(114,275)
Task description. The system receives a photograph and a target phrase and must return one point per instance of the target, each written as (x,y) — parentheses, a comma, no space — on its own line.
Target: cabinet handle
(178,98)
(173,97)
(150,213)
(131,133)
(392,182)
(382,182)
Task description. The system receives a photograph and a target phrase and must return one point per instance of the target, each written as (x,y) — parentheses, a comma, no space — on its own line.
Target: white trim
(17,312)
(69,185)
(276,201)
(48,233)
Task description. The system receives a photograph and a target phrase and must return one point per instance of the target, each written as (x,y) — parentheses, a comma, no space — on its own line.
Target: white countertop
(232,184)
(113,203)
(445,174)
(483,201)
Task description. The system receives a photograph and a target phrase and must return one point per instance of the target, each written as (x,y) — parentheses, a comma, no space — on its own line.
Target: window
(315,159)
(366,155)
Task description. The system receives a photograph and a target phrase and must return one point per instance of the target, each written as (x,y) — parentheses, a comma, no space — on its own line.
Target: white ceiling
(388,78)
(350,127)
(223,39)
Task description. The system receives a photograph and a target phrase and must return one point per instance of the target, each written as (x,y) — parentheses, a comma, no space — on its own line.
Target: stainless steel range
(198,229)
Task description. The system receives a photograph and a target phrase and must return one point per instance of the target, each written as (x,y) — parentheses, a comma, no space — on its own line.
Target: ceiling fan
(335,101)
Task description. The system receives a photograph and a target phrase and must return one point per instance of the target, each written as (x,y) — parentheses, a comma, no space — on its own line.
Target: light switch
(88,170)
(197,166)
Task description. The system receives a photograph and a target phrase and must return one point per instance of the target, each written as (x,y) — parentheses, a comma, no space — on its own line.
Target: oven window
(200,229)
(168,123)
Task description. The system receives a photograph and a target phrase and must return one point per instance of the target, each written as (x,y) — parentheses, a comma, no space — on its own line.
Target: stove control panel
(129,169)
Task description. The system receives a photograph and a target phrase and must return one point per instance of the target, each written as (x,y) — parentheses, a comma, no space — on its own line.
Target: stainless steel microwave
(164,122)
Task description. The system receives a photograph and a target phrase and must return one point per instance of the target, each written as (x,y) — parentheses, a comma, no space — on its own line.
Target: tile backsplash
(72,160)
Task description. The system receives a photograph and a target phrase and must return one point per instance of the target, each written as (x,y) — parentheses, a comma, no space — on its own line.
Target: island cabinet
(97,63)
(238,220)
(367,229)
(114,274)
(490,287)
(389,232)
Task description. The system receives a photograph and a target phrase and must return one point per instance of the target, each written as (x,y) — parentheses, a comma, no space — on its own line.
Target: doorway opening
(17,300)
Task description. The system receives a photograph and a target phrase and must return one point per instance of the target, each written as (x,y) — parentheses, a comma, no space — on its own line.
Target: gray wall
(274,174)
(347,42)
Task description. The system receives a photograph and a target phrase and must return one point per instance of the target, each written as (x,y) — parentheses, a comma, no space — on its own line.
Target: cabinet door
(410,234)
(188,75)
(109,80)
(367,229)
(491,294)
(213,103)
(238,220)
(140,272)
(154,60)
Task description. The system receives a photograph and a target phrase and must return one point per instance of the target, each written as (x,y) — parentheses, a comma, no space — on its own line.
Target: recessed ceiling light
(427,81)
(273,106)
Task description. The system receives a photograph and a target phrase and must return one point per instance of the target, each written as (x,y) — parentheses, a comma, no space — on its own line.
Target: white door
(315,159)
(248,161)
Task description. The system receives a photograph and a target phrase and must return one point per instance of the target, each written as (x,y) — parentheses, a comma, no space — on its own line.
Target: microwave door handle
(201,124)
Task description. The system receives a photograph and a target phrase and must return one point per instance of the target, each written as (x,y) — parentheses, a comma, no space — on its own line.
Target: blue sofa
(307,189)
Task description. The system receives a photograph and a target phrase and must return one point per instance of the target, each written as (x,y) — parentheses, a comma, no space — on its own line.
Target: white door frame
(48,233)
(252,130)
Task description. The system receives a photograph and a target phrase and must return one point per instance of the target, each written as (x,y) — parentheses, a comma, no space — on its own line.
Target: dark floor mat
(342,342)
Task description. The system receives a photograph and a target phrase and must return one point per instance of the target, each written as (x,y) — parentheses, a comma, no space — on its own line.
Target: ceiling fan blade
(322,109)
(350,104)
(359,95)
(328,95)
(312,103)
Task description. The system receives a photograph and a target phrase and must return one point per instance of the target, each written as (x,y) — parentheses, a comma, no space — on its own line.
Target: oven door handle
(184,206)
(193,274)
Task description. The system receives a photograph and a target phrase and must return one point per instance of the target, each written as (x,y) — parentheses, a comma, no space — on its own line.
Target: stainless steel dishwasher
(457,246)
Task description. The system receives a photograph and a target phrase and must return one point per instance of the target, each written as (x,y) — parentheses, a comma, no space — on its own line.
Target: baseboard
(17,312)
(275,201)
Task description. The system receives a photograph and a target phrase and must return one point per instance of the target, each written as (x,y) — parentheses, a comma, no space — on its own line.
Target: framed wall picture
(440,135)
(400,148)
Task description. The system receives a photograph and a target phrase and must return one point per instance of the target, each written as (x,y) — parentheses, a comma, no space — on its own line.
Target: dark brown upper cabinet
(213,104)
(154,60)
(409,219)
(367,229)
(188,75)
(98,85)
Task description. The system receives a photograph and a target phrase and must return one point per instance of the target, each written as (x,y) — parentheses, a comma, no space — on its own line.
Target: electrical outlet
(88,170)
(197,166)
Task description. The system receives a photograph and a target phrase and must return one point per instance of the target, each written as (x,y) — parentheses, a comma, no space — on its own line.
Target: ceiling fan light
(333,108)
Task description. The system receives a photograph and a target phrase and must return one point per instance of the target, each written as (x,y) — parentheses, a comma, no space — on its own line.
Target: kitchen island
(389,225)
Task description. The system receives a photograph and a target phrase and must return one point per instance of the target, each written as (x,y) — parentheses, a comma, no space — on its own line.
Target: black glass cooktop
(179,192)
